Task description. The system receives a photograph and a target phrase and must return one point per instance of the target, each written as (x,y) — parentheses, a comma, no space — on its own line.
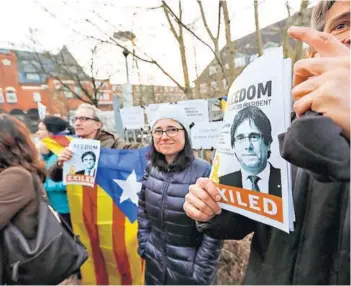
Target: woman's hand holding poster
(252,178)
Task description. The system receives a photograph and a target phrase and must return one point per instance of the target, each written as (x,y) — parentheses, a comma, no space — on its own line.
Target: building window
(33,76)
(36,96)
(212,70)
(203,88)
(106,96)
(225,85)
(2,99)
(78,90)
(11,96)
(68,93)
(214,85)
(72,69)
(6,62)
(105,85)
(240,61)
(98,83)
(270,45)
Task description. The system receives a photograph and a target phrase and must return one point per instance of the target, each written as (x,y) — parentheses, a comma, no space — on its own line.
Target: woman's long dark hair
(56,125)
(184,157)
(17,147)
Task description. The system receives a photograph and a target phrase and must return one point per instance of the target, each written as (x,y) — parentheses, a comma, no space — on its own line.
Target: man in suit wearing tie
(251,138)
(88,159)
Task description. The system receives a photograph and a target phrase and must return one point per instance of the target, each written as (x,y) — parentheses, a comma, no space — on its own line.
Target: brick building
(28,77)
(148,94)
(56,80)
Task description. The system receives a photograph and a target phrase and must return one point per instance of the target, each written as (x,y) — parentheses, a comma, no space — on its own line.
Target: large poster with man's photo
(81,168)
(251,175)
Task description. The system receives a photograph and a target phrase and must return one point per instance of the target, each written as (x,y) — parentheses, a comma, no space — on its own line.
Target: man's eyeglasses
(84,119)
(170,132)
(253,137)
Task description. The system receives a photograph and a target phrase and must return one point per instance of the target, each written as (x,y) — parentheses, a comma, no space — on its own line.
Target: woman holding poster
(176,253)
(56,191)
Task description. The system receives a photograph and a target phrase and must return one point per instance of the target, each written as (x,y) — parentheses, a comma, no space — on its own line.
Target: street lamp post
(124,36)
(125,54)
(128,37)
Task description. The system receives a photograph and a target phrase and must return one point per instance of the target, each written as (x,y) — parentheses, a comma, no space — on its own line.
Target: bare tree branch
(258,32)
(229,42)
(174,32)
(216,54)
(203,17)
(219,19)
(187,28)
(151,61)
(299,22)
(286,47)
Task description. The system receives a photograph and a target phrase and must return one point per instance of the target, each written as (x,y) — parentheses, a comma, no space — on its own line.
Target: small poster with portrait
(252,177)
(82,167)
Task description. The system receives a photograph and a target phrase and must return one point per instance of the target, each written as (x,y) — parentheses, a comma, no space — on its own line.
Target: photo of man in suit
(251,138)
(88,159)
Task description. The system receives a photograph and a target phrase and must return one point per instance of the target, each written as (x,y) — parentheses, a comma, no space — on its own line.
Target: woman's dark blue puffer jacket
(174,250)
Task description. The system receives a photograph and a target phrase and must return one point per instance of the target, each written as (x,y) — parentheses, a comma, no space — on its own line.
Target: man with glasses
(87,125)
(251,138)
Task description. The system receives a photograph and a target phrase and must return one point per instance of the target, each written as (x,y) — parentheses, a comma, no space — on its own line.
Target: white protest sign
(133,117)
(151,111)
(41,110)
(81,168)
(205,134)
(108,120)
(196,110)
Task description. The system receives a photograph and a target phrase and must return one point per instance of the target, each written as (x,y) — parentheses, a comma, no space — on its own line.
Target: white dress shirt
(263,182)
(89,172)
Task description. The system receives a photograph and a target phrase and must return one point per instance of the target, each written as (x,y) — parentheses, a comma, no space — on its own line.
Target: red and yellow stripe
(110,238)
(56,143)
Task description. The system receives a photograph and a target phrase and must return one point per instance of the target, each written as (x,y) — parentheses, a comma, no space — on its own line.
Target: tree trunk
(185,68)
(188,89)
(180,39)
(258,32)
(229,43)
(301,21)
(286,46)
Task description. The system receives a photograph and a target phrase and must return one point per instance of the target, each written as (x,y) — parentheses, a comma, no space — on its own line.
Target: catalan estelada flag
(104,216)
(56,143)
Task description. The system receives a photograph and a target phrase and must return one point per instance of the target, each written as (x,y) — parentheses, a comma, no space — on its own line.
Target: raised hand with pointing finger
(322,84)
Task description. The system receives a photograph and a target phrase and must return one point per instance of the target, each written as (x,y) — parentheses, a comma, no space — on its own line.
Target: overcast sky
(64,23)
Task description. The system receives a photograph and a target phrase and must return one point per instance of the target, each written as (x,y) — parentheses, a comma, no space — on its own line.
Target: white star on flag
(130,188)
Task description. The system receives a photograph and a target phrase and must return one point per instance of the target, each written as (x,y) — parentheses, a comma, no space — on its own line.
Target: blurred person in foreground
(19,167)
(88,125)
(317,144)
(175,252)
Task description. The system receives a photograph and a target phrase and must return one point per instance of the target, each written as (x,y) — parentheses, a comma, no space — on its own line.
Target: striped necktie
(254,180)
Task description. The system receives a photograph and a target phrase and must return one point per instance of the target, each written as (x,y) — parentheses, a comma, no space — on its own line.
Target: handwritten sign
(133,117)
(205,134)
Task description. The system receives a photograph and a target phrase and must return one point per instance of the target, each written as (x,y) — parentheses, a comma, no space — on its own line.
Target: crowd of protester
(181,225)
